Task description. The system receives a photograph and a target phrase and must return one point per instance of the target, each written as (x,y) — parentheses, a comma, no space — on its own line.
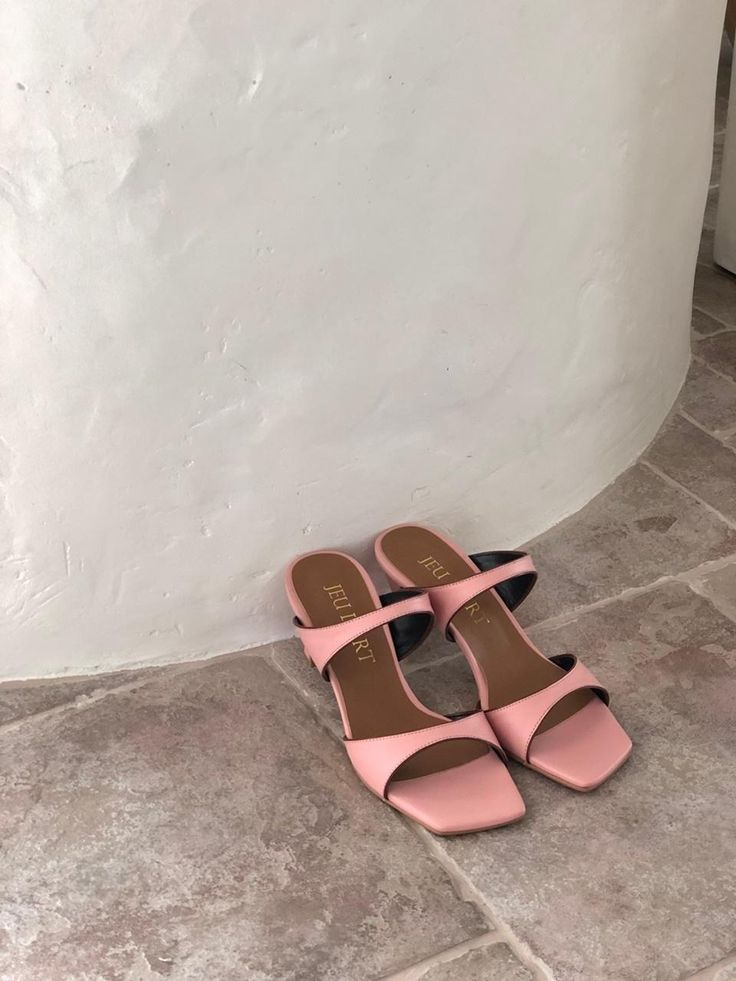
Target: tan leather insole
(331,589)
(512,667)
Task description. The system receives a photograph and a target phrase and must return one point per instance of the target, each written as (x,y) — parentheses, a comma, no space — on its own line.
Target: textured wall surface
(275,275)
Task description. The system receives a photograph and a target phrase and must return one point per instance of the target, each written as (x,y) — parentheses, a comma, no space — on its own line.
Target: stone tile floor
(201,821)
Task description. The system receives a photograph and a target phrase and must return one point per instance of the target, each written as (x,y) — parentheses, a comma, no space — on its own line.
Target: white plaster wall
(276,275)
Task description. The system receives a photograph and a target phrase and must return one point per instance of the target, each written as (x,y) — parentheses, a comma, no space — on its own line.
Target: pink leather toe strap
(322,643)
(376,760)
(517,722)
(448,599)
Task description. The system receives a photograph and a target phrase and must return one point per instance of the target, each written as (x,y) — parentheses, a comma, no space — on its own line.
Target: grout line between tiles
(698,586)
(306,697)
(694,356)
(705,568)
(420,969)
(695,579)
(631,592)
(711,973)
(714,333)
(685,490)
(686,576)
(469,892)
(701,360)
(78,673)
(725,328)
(79,703)
(725,325)
(462,885)
(708,432)
(153,675)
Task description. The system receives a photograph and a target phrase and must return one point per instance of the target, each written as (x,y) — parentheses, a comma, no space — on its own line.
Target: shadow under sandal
(449,776)
(551,714)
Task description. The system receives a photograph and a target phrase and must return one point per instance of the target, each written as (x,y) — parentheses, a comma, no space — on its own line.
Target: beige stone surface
(711,209)
(719,351)
(635,880)
(698,462)
(703,323)
(207,828)
(638,530)
(19,699)
(705,252)
(714,291)
(709,398)
(720,585)
(494,963)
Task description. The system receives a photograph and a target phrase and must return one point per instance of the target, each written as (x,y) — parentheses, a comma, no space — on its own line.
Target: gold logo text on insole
(473,609)
(341,602)
(476,614)
(432,565)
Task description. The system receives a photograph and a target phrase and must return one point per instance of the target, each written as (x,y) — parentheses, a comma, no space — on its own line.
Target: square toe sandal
(448,775)
(551,714)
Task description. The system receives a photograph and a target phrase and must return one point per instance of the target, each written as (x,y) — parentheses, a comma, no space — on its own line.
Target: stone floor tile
(720,586)
(709,398)
(703,324)
(723,971)
(206,826)
(637,530)
(19,699)
(715,293)
(715,172)
(723,83)
(635,880)
(698,462)
(449,687)
(719,351)
(707,244)
(721,114)
(711,208)
(494,963)
(318,693)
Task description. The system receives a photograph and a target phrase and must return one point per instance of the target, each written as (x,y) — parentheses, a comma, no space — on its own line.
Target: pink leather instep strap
(517,722)
(322,643)
(448,599)
(376,760)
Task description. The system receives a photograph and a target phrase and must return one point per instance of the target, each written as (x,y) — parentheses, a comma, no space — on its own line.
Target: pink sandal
(550,714)
(439,772)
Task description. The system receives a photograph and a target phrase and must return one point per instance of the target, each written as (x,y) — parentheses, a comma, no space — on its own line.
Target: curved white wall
(276,275)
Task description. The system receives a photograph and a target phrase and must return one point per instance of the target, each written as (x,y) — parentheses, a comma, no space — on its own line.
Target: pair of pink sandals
(449,775)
